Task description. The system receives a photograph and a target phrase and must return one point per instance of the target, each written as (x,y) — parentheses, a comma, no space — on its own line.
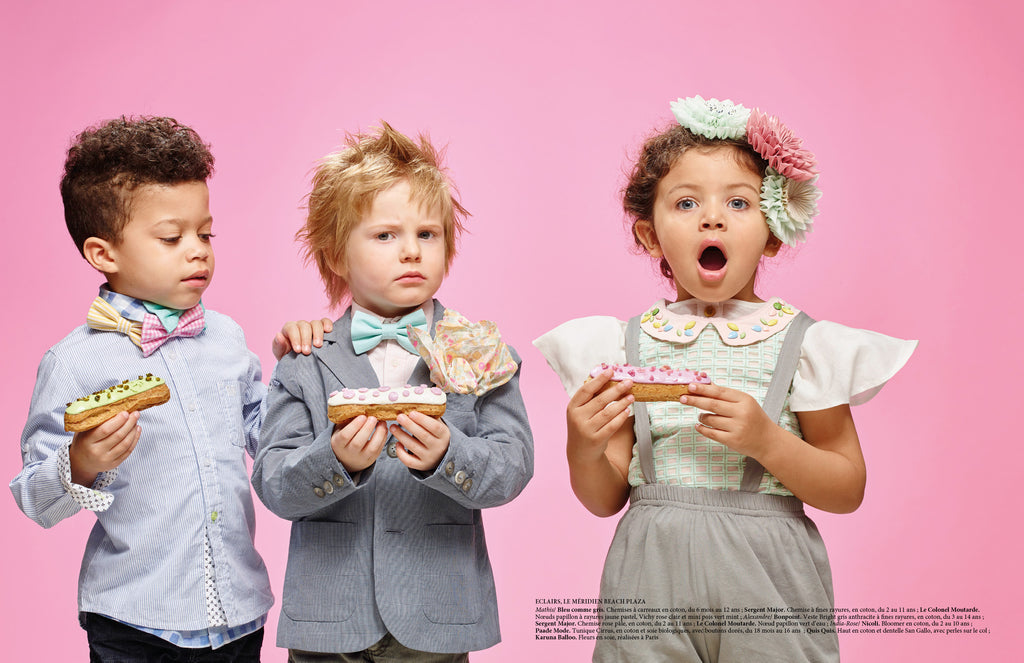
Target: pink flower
(777,144)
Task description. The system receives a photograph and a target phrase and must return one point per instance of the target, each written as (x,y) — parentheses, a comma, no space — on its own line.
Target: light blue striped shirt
(185,481)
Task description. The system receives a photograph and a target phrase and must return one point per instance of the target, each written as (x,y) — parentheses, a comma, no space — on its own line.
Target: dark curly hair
(107,162)
(657,156)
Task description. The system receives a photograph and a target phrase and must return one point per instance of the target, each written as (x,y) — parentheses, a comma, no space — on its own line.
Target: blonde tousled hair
(346,182)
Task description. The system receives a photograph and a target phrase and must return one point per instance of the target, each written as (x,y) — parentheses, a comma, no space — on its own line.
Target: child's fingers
(409,440)
(125,447)
(590,388)
(421,426)
(615,423)
(375,441)
(408,458)
(358,429)
(713,421)
(106,429)
(712,391)
(713,434)
(321,327)
(280,346)
(591,396)
(613,410)
(707,404)
(301,336)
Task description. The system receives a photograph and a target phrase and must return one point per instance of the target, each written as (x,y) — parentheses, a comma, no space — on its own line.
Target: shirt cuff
(93,499)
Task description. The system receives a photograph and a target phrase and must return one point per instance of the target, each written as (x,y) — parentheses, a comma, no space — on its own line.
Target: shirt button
(319,492)
(393,450)
(449,468)
(466,485)
(339,480)
(460,476)
(192,407)
(709,311)
(328,487)
(213,517)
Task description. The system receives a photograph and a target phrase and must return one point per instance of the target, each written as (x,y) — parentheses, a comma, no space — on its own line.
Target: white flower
(789,206)
(711,118)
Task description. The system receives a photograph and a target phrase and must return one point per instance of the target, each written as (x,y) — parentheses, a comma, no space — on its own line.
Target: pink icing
(652,374)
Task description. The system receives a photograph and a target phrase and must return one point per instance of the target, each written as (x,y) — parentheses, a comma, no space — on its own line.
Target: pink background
(914,117)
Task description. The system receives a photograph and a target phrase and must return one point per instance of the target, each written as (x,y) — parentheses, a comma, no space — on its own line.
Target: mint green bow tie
(368,331)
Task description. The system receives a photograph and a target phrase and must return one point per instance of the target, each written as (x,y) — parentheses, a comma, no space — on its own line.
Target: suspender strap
(778,390)
(775,399)
(641,421)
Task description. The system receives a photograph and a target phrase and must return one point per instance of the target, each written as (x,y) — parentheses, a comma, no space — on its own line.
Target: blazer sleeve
(490,456)
(296,473)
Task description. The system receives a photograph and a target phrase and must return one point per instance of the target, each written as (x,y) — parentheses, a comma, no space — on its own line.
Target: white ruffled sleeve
(840,365)
(574,348)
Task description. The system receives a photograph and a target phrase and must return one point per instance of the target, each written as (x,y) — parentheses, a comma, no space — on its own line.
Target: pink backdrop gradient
(913,114)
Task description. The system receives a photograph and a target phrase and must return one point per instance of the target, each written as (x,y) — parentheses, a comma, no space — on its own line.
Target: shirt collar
(737,322)
(427,308)
(130,308)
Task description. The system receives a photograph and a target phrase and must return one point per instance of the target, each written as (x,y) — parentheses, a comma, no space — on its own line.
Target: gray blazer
(396,550)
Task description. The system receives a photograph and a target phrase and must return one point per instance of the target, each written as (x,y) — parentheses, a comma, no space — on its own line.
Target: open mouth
(712,258)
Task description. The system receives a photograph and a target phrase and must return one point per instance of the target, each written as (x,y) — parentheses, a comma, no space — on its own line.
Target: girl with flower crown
(716,482)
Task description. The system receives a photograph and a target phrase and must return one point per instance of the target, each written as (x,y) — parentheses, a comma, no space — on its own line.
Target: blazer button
(460,476)
(467,484)
(328,487)
(449,468)
(319,492)
(339,480)
(393,450)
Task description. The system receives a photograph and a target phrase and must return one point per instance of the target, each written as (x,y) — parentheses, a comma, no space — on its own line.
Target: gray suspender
(775,399)
(641,422)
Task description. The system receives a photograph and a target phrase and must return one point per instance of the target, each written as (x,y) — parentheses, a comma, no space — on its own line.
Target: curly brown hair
(657,156)
(107,162)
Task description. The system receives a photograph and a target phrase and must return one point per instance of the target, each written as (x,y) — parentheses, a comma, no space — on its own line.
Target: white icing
(421,394)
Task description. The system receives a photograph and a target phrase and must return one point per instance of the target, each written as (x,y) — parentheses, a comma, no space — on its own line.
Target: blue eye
(686,204)
(738,203)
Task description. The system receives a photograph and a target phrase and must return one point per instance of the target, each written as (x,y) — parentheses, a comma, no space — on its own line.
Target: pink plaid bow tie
(148,334)
(154,335)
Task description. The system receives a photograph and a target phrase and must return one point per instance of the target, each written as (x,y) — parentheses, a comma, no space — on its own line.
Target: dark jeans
(113,642)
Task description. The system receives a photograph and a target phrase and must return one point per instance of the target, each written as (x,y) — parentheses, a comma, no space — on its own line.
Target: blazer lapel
(421,374)
(352,370)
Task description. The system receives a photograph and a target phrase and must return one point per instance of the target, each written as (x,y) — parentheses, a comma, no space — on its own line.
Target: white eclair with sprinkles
(385,403)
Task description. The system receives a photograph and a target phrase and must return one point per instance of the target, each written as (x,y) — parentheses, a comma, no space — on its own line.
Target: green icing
(113,394)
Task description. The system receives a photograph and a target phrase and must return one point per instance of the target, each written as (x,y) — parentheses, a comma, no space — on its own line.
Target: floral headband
(789,197)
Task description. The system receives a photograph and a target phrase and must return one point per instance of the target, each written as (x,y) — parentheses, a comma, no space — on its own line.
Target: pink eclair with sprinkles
(652,383)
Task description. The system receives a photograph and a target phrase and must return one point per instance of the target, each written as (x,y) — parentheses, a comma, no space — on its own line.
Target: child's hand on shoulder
(103,448)
(422,441)
(593,416)
(731,417)
(301,336)
(357,443)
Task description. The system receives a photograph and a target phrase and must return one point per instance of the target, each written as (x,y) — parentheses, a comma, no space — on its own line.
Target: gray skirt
(712,575)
